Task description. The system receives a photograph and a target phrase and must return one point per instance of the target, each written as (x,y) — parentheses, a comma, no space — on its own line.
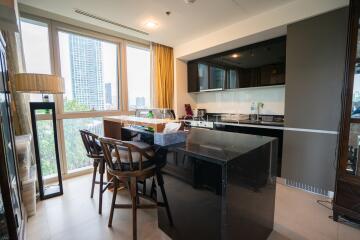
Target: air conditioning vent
(87,14)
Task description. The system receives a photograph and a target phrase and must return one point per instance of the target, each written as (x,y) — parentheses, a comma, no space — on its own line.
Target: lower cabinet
(258,131)
(309,160)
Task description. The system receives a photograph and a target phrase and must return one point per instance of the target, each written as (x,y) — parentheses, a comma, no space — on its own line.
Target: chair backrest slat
(91,145)
(110,145)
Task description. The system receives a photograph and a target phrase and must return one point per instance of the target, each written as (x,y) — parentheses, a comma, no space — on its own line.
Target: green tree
(74,149)
(75,106)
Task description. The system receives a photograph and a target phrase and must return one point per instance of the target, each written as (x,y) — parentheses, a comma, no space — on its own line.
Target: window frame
(119,80)
(54,27)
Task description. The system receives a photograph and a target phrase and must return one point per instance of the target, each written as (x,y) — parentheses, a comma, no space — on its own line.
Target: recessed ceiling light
(151,24)
(235,55)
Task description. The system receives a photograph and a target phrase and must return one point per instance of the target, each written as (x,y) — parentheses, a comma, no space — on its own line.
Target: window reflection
(353,164)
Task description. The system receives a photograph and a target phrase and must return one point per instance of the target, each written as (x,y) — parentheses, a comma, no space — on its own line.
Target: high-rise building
(86,71)
(108,95)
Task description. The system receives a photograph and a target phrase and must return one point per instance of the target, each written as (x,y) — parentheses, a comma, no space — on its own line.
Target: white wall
(181,96)
(239,100)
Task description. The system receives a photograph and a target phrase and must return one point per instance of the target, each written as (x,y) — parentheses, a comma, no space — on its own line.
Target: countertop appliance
(160,113)
(199,113)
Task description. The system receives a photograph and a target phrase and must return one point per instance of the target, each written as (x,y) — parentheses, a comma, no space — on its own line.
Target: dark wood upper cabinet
(260,64)
(232,78)
(217,77)
(193,79)
(273,74)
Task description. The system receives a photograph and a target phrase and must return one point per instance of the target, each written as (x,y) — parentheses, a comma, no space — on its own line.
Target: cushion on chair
(124,156)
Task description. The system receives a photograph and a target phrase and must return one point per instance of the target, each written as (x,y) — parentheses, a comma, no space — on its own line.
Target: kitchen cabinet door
(217,77)
(249,78)
(193,81)
(273,74)
(232,79)
(203,76)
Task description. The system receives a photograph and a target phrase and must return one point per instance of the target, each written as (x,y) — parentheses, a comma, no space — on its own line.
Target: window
(36,46)
(35,36)
(138,77)
(89,67)
(74,148)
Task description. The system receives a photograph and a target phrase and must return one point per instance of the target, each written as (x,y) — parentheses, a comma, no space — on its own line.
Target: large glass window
(36,46)
(74,148)
(89,67)
(35,36)
(89,64)
(138,77)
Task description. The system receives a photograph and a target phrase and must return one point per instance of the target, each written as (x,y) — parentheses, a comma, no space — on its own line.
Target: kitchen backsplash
(239,100)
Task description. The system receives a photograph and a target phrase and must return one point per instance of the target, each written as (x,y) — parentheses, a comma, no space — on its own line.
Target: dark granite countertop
(262,123)
(219,146)
(278,120)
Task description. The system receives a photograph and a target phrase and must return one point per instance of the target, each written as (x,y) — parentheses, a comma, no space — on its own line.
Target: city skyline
(86,71)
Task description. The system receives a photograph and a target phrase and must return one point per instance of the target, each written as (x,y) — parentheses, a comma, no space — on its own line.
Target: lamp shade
(38,83)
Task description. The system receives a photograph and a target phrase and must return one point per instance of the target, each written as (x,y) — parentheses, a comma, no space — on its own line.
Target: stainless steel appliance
(199,113)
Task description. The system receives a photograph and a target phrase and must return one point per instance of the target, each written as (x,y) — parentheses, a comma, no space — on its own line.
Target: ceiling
(186,21)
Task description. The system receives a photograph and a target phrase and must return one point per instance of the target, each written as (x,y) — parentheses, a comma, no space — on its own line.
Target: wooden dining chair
(94,151)
(131,162)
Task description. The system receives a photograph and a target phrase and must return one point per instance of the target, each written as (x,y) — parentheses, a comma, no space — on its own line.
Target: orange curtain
(163,63)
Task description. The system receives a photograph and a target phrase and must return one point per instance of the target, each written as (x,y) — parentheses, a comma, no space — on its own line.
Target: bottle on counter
(150,114)
(253,111)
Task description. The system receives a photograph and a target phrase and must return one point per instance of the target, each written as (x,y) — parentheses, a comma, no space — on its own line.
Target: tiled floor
(74,216)
(298,216)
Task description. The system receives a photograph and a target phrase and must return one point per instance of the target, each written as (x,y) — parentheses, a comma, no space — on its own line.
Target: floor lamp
(43,121)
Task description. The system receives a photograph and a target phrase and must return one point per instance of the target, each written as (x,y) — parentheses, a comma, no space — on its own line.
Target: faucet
(259,105)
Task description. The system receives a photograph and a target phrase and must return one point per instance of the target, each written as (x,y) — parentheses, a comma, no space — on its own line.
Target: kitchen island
(224,187)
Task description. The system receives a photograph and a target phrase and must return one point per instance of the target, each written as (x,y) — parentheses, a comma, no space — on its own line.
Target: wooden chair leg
(93,181)
(116,185)
(101,188)
(137,195)
(153,189)
(160,181)
(134,194)
(134,218)
(144,187)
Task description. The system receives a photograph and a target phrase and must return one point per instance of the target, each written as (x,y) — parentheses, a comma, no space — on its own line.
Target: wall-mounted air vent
(82,12)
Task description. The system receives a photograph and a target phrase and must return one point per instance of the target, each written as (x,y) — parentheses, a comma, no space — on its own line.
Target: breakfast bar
(219,184)
(224,187)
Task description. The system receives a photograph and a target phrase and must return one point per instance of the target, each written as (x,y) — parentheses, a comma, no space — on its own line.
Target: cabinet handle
(212,90)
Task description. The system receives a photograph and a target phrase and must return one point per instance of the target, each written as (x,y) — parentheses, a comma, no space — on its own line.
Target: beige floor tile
(74,216)
(299,217)
(348,233)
